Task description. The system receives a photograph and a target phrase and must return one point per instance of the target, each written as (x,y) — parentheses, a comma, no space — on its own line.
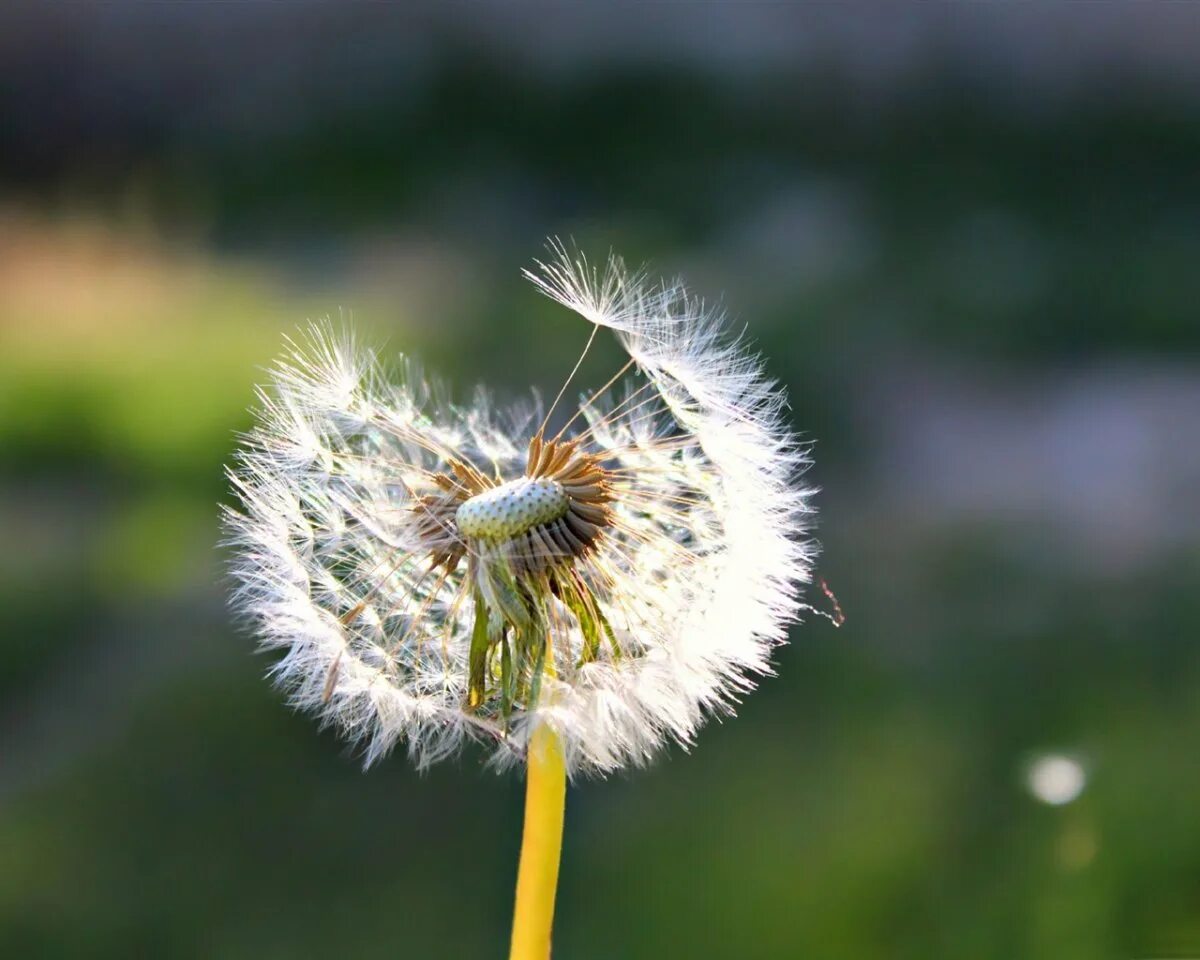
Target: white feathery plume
(432,573)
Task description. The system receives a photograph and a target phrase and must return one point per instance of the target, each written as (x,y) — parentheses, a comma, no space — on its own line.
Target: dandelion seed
(1056,779)
(433,573)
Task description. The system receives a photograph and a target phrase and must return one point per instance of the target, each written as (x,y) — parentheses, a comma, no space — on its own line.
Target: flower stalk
(541,847)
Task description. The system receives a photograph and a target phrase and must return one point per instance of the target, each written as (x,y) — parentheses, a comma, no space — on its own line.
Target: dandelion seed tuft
(432,573)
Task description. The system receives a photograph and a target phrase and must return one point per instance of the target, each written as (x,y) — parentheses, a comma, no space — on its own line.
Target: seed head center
(512,508)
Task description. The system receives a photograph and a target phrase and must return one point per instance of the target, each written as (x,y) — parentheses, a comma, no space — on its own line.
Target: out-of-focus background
(968,240)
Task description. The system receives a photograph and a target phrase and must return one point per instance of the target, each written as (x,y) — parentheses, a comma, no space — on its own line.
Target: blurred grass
(101,333)
(867,803)
(159,800)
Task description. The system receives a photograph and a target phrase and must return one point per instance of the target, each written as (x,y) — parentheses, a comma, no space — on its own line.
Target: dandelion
(1055,778)
(574,598)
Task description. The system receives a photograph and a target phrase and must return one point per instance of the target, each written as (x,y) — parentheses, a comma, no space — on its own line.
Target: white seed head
(511,508)
(432,573)
(1056,779)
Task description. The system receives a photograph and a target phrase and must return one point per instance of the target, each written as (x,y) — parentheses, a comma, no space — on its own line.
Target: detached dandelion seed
(433,573)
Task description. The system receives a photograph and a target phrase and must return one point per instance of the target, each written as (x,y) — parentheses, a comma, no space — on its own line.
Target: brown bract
(575,535)
(589,493)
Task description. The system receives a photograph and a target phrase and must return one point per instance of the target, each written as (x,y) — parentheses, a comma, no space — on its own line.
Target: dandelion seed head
(431,573)
(1056,779)
(512,508)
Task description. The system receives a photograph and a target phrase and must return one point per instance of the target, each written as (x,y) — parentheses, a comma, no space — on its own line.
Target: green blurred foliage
(868,802)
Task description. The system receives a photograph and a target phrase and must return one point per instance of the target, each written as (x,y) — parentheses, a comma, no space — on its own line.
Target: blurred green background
(966,238)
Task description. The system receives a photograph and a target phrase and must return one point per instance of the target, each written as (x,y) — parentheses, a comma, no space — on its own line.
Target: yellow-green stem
(541,846)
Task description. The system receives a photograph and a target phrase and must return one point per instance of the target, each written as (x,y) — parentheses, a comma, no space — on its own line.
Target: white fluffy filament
(697,578)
